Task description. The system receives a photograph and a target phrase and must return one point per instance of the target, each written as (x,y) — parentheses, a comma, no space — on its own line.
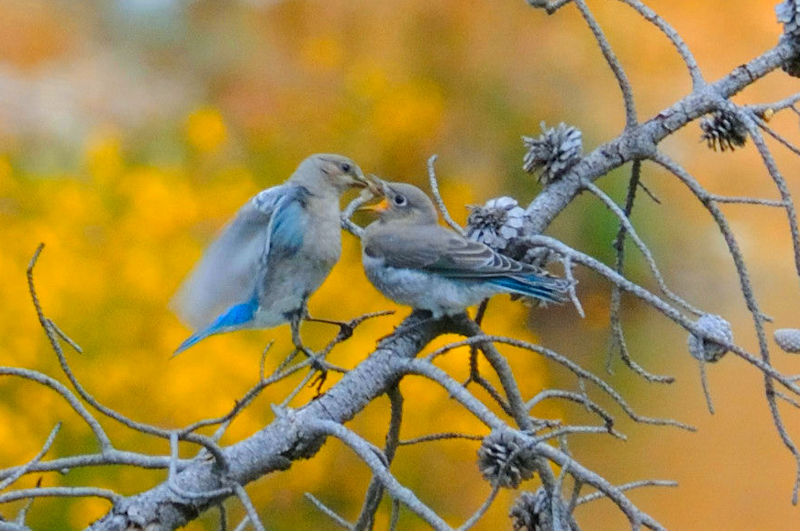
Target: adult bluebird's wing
(228,271)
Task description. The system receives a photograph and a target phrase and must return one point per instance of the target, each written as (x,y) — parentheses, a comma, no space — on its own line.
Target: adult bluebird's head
(406,204)
(329,171)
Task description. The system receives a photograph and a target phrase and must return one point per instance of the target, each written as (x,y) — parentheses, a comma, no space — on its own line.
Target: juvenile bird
(413,260)
(275,252)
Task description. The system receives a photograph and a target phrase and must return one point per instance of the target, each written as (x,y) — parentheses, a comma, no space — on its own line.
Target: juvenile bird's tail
(541,287)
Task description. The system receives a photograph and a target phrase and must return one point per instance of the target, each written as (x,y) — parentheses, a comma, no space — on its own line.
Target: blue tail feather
(544,288)
(233,318)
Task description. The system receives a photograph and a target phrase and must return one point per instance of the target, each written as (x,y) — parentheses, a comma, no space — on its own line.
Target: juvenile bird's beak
(376,187)
(382,206)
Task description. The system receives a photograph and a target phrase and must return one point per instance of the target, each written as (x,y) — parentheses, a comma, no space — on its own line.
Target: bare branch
(61,492)
(628,486)
(613,63)
(24,469)
(327,511)
(438,197)
(379,470)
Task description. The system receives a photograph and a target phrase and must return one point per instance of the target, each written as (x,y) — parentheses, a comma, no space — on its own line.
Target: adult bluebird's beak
(360,181)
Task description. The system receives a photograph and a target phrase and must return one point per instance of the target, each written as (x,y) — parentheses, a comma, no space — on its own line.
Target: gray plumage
(413,260)
(275,252)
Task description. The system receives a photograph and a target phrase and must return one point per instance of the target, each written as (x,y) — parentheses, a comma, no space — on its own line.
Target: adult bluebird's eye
(346,167)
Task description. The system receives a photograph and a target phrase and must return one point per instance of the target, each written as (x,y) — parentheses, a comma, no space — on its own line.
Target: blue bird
(275,252)
(413,260)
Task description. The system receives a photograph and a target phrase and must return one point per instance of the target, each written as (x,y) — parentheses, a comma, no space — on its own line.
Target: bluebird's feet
(315,362)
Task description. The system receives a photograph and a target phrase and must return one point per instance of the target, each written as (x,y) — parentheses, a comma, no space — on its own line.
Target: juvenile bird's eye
(346,167)
(399,200)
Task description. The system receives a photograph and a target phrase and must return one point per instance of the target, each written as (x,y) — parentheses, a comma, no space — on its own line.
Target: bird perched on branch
(275,252)
(413,260)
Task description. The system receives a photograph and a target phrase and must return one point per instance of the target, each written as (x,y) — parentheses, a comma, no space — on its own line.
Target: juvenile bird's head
(332,170)
(405,203)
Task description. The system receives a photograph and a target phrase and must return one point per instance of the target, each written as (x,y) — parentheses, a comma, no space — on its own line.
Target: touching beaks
(375,184)
(360,181)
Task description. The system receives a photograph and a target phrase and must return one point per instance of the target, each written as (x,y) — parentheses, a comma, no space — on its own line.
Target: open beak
(382,206)
(376,185)
(360,181)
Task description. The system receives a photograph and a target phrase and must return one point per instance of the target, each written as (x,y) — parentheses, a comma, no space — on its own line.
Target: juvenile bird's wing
(271,224)
(436,249)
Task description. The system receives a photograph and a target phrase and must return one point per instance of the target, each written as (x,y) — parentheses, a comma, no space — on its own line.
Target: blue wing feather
(234,318)
(545,288)
(288,225)
(269,227)
(228,271)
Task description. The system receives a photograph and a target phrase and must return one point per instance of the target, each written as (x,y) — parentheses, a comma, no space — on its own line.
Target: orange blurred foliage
(127,179)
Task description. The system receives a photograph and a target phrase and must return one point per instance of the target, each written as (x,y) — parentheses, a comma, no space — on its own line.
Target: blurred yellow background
(131,130)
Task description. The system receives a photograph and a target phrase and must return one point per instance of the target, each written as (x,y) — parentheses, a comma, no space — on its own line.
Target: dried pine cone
(715,327)
(553,153)
(504,459)
(725,129)
(531,512)
(788,13)
(497,222)
(792,66)
(788,339)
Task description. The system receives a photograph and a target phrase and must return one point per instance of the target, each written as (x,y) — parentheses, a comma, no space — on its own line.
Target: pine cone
(531,512)
(725,129)
(715,327)
(788,13)
(788,339)
(504,459)
(553,153)
(497,222)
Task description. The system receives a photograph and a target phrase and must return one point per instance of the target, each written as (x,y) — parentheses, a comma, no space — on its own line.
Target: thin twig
(22,470)
(615,311)
(327,511)
(628,486)
(704,385)
(365,196)
(744,277)
(374,493)
(481,510)
(663,307)
(66,394)
(440,437)
(613,63)
(438,197)
(648,256)
(674,37)
(367,454)
(572,366)
(61,492)
(241,493)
